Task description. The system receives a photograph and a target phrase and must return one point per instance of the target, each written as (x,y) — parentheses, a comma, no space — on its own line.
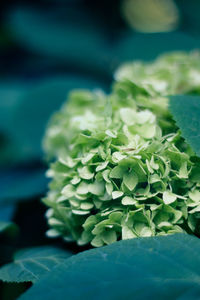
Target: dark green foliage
(186,113)
(163,267)
(31,264)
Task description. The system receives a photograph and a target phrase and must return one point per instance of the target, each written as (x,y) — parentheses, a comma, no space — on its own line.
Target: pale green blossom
(121,169)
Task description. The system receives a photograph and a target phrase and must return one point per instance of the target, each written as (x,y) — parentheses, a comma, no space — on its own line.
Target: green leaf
(159,268)
(9,228)
(6,212)
(63,33)
(31,264)
(18,184)
(10,93)
(36,106)
(186,112)
(25,110)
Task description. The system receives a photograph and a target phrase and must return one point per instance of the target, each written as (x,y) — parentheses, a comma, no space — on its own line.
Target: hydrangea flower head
(121,168)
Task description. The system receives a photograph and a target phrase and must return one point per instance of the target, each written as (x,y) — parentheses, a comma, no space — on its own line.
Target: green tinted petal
(83,188)
(117,194)
(194,195)
(130,180)
(117,172)
(128,201)
(68,191)
(85,173)
(102,166)
(96,188)
(169,197)
(109,236)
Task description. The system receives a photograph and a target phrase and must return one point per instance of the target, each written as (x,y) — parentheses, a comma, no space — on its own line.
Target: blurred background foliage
(49,47)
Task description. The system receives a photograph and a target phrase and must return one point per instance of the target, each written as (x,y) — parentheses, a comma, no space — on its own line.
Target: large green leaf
(186,113)
(10,93)
(67,33)
(7,212)
(31,264)
(19,184)
(9,230)
(165,267)
(9,227)
(25,110)
(36,107)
